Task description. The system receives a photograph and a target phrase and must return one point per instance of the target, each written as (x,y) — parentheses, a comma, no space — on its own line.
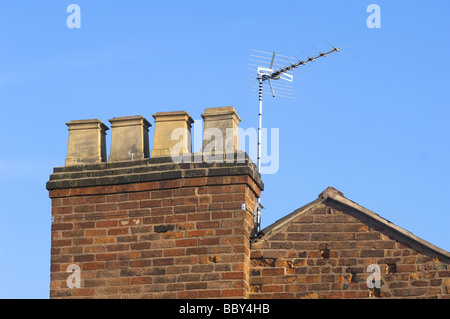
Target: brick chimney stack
(141,226)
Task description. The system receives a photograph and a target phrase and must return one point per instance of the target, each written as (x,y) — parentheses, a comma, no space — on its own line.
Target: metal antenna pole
(260,122)
(257,215)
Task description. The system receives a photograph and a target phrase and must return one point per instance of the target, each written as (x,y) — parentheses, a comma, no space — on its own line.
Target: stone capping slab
(220,113)
(136,120)
(146,170)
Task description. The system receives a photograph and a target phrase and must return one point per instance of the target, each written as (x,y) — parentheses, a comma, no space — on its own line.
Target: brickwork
(325,251)
(186,237)
(140,227)
(154,229)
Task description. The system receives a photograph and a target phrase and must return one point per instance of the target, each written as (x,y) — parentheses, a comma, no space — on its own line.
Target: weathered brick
(209,293)
(233,275)
(185,191)
(106,256)
(96,232)
(199,216)
(170,184)
(141,280)
(186,242)
(370,235)
(147,186)
(372,253)
(117,231)
(187,294)
(150,203)
(83,258)
(83,292)
(308,278)
(180,234)
(331,295)
(233,293)
(406,268)
(209,241)
(385,244)
(272,272)
(106,223)
(104,240)
(61,226)
(61,242)
(93,266)
(60,210)
(332,236)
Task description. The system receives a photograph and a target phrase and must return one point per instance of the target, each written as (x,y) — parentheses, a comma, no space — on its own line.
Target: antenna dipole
(268,74)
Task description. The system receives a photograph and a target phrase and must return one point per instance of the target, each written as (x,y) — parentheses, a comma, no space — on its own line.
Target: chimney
(220,132)
(172,129)
(86,142)
(152,228)
(129,138)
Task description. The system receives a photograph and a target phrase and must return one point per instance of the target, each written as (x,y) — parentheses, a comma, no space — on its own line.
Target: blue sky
(375,125)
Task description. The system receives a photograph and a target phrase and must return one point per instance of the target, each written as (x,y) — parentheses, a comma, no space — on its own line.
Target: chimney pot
(169,126)
(129,138)
(86,142)
(226,120)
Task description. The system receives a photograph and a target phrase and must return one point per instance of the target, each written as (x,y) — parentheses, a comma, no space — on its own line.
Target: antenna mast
(268,74)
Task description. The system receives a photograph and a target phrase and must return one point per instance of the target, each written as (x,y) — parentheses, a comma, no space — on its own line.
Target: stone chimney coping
(128,121)
(145,170)
(173,116)
(86,124)
(221,113)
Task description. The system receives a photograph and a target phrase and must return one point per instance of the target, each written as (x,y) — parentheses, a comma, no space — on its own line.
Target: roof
(332,195)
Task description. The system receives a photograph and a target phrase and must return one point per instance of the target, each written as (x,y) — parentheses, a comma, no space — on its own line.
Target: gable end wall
(325,252)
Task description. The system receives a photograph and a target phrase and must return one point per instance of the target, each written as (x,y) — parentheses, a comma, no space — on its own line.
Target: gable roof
(333,195)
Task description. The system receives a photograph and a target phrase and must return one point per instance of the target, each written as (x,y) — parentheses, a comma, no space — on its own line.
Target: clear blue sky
(375,125)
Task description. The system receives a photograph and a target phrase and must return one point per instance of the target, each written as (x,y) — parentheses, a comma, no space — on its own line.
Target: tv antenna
(267,73)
